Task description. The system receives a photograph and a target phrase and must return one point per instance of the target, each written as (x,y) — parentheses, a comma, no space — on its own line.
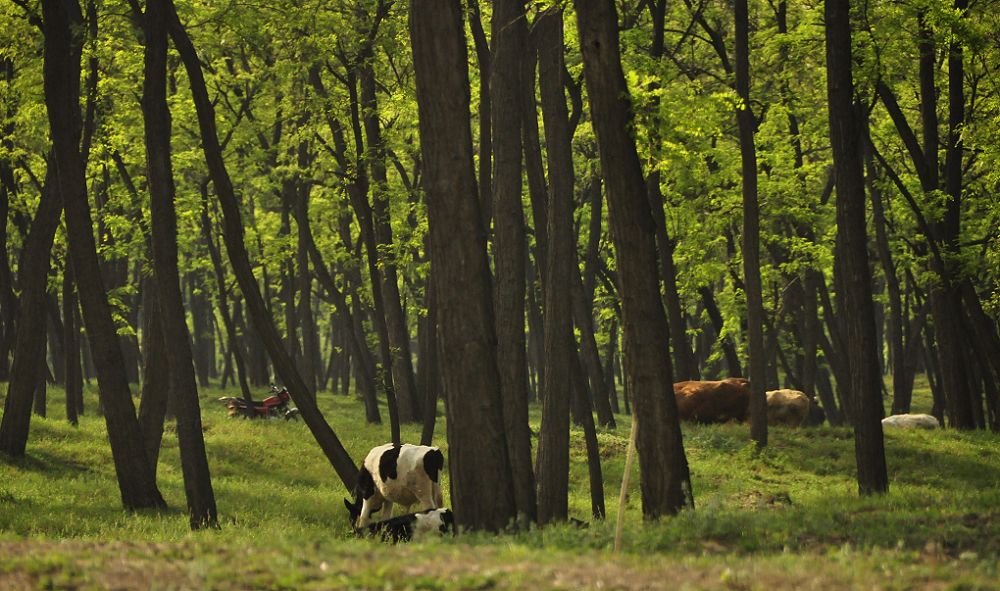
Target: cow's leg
(437,498)
(387,510)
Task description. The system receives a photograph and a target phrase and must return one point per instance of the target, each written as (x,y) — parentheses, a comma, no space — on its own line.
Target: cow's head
(364,489)
(354,509)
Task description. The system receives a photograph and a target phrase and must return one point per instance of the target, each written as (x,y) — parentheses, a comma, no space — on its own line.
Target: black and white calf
(412,526)
(404,474)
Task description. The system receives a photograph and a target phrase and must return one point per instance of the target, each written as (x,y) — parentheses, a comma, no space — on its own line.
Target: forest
(530,234)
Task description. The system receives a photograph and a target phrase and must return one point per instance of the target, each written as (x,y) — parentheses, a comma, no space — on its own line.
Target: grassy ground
(787,518)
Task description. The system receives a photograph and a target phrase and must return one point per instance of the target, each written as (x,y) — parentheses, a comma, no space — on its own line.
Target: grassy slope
(788,518)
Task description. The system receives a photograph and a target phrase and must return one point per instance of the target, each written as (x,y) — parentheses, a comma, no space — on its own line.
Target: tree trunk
(751,230)
(166,277)
(233,235)
(155,375)
(395,317)
(664,477)
(136,479)
(509,244)
(482,490)
(222,297)
(560,344)
(71,343)
(851,263)
(29,346)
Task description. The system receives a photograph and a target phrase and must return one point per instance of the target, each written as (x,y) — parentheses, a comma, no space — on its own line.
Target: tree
(173,324)
(751,229)
(665,480)
(510,33)
(136,479)
(853,275)
(233,235)
(481,486)
(560,344)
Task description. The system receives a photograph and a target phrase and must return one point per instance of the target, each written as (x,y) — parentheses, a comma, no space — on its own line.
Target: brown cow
(787,407)
(713,401)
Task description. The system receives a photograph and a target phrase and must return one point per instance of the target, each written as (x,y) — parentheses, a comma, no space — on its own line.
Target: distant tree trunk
(41,391)
(751,230)
(664,477)
(510,244)
(166,277)
(306,320)
(583,415)
(233,234)
(56,348)
(71,342)
(222,297)
(485,63)
(854,285)
(728,349)
(430,369)
(902,388)
(202,323)
(609,366)
(136,480)
(560,344)
(395,316)
(155,375)
(482,490)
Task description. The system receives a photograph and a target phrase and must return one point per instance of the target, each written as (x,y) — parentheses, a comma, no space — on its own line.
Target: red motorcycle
(274,406)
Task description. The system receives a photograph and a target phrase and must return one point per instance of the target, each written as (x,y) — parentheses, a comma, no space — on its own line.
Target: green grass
(787,517)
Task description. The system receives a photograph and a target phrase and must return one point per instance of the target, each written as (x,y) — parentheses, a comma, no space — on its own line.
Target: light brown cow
(712,401)
(787,407)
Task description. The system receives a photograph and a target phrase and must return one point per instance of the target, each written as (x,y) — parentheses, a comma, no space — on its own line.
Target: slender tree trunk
(854,285)
(482,490)
(560,344)
(233,234)
(583,415)
(395,318)
(728,349)
(155,376)
(664,477)
(222,297)
(751,230)
(509,243)
(136,479)
(29,347)
(71,342)
(485,62)
(166,277)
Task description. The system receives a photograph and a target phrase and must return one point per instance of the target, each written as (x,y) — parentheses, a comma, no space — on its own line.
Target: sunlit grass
(276,492)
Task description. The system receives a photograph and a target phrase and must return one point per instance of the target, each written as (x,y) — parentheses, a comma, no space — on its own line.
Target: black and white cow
(412,526)
(404,474)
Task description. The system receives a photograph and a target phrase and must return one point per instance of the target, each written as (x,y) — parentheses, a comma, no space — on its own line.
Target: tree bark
(510,243)
(751,230)
(71,342)
(155,375)
(482,489)
(851,263)
(560,344)
(198,490)
(664,477)
(136,479)
(29,344)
